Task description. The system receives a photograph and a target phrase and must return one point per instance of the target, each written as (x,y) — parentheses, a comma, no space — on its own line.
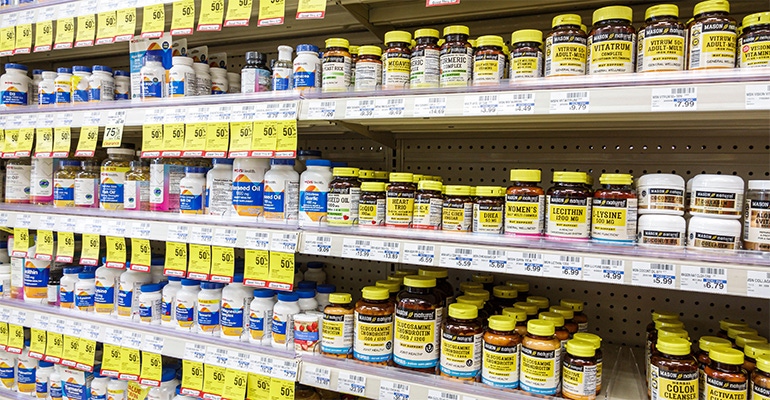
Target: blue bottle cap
(73,270)
(150,287)
(120,72)
(102,68)
(16,66)
(326,288)
(287,296)
(305,293)
(306,285)
(282,161)
(86,275)
(190,282)
(81,68)
(64,70)
(264,293)
(307,47)
(318,163)
(224,161)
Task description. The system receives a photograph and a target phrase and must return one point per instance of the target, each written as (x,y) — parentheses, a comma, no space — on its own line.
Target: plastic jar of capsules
(519,316)
(725,377)
(488,210)
(567,313)
(754,41)
(457,210)
(337,327)
(343,197)
(484,278)
(524,203)
(597,342)
(742,340)
(560,332)
(674,371)
(442,283)
(488,61)
(371,205)
(521,287)
(373,332)
(664,231)
(456,57)
(527,54)
(500,353)
(613,212)
(417,328)
(503,297)
(661,40)
(735,331)
(484,296)
(396,60)
(425,60)
(712,36)
(336,62)
(612,41)
(400,200)
(461,343)
(541,302)
(568,207)
(652,339)
(483,315)
(566,47)
(579,370)
(704,345)
(756,218)
(713,234)
(717,196)
(726,324)
(661,194)
(428,203)
(368,70)
(393,288)
(540,356)
(529,308)
(752,352)
(760,379)
(578,316)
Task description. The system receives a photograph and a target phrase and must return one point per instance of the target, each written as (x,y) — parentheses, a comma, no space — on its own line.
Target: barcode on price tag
(419,254)
(140,230)
(284,242)
(357,248)
(653,275)
(285,369)
(429,107)
(201,235)
(178,233)
(389,108)
(516,103)
(565,267)
(351,383)
(758,284)
(526,263)
(607,270)
(434,394)
(570,102)
(359,108)
(257,240)
(456,257)
(393,391)
(758,97)
(480,104)
(703,279)
(317,376)
(387,251)
(225,237)
(490,260)
(194,352)
(317,244)
(321,109)
(674,99)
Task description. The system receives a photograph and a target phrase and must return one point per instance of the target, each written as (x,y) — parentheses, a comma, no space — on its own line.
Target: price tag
(359,109)
(480,104)
(20,242)
(43,36)
(438,3)
(173,140)
(70,351)
(419,254)
(113,136)
(526,263)
(758,284)
(703,279)
(758,97)
(516,103)
(37,342)
(490,260)
(317,376)
(281,389)
(240,138)
(238,13)
(3,335)
(152,367)
(217,139)
(106,27)
(15,339)
(389,108)
(201,235)
(199,266)
(23,39)
(45,248)
(86,30)
(11,141)
(264,139)
(388,251)
(176,260)
(317,244)
(570,102)
(65,33)
(257,240)
(258,387)
(393,391)
(286,139)
(111,360)
(116,252)
(54,346)
(222,264)
(195,140)
(350,383)
(87,141)
(89,253)
(65,247)
(271,12)
(130,366)
(281,274)
(565,267)
(427,107)
(654,275)
(43,142)
(213,380)
(311,9)
(153,21)
(455,257)
(235,384)
(606,270)
(62,140)
(86,355)
(212,13)
(126,24)
(284,242)
(24,147)
(434,394)
(141,255)
(674,99)
(152,140)
(256,267)
(321,109)
(183,18)
(357,248)
(178,233)
(7,40)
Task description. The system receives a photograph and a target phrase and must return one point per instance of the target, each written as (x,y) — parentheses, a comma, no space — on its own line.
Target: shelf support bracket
(379,137)
(361,13)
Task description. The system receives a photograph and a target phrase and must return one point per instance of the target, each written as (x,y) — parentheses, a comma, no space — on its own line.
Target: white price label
(674,99)
(387,251)
(41,322)
(140,230)
(419,254)
(758,284)
(132,340)
(153,344)
(19,317)
(92,331)
(703,279)
(263,364)
(317,376)
(394,390)
(194,352)
(607,270)
(257,240)
(23,221)
(434,394)
(3,219)
(112,336)
(480,104)
(285,369)
(389,108)
(517,103)
(657,275)
(178,233)
(351,383)
(317,244)
(359,109)
(526,263)
(284,242)
(201,235)
(67,224)
(426,107)
(357,248)
(758,97)
(216,356)
(225,237)
(238,360)
(321,109)
(116,228)
(565,267)
(490,260)
(570,102)
(455,257)
(48,222)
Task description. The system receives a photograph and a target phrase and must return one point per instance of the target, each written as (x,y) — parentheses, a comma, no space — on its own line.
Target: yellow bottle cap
(396,278)
(662,10)
(456,30)
(441,42)
(589,180)
(373,293)
(674,346)
(474,301)
(566,19)
(417,178)
(711,6)
(337,42)
(373,186)
(464,286)
(517,314)
(589,337)
(742,340)
(520,286)
(656,315)
(433,272)
(412,44)
(733,332)
(365,174)
(404,272)
(391,286)
(354,49)
(398,37)
(458,190)
(401,177)
(580,348)
(569,177)
(472,43)
(501,323)
(483,277)
(541,302)
(557,319)
(726,324)
(762,18)
(583,28)
(565,312)
(430,185)
(529,308)
(575,305)
(705,343)
(504,292)
(479,293)
(370,50)
(490,40)
(673,332)
(613,12)
(616,179)
(726,355)
(463,311)
(668,323)
(525,175)
(340,298)
(763,363)
(489,191)
(426,32)
(419,281)
(381,174)
(541,327)
(756,350)
(527,35)
(346,172)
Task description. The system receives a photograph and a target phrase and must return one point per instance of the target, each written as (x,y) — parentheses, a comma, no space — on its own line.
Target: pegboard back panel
(351,148)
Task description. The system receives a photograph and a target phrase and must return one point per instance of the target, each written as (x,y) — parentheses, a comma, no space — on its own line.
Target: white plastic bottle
(307,74)
(207,312)
(122,85)
(283,71)
(233,82)
(26,367)
(191,190)
(219,83)
(283,320)
(322,295)
(14,86)
(85,288)
(41,181)
(219,194)
(36,274)
(234,317)
(150,300)
(313,191)
(17,181)
(37,77)
(42,375)
(128,293)
(117,390)
(307,301)
(181,77)
(261,316)
(81,75)
(185,305)
(168,298)
(99,385)
(153,77)
(46,89)
(202,79)
(55,390)
(315,272)
(281,197)
(105,294)
(7,370)
(63,85)
(167,388)
(101,85)
(67,287)
(248,186)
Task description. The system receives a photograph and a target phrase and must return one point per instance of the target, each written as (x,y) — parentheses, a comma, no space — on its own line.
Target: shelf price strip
(654,275)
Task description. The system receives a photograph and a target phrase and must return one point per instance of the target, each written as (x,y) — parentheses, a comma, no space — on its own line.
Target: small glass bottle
(760,379)
(343,197)
(614,210)
(137,196)
(400,200)
(568,207)
(461,343)
(578,317)
(64,183)
(418,325)
(524,203)
(519,316)
(754,351)
(397,63)
(428,202)
(674,364)
(368,69)
(726,324)
(568,314)
(373,330)
(489,210)
(579,371)
(501,352)
(560,331)
(489,61)
(597,342)
(371,206)
(113,178)
(283,70)
(424,71)
(456,59)
(527,55)
(336,66)
(337,327)
(502,297)
(87,185)
(457,211)
(255,75)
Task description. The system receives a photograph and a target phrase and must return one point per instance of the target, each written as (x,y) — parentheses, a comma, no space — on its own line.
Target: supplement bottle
(208,306)
(527,55)
(80,80)
(261,317)
(219,185)
(596,341)
(519,316)
(322,295)
(153,77)
(568,314)
(181,77)
(484,296)
(85,289)
(752,352)
(673,370)
(464,286)
(105,291)
(613,219)
(540,355)
(113,178)
(725,377)
(368,69)
(55,383)
(397,60)
(428,205)
(315,272)
(64,183)
(489,61)
(219,83)
(306,301)
(54,278)
(353,50)
(560,331)
(760,379)
(568,207)
(503,297)
(41,181)
(17,182)
(101,84)
(578,316)
(579,372)
(665,231)
(283,70)
(566,47)
(63,85)
(489,210)
(281,192)
(137,187)
(726,324)
(400,200)
(202,79)
(150,304)
(393,288)
(424,63)
(122,85)
(712,37)
(661,194)
(336,66)
(87,185)
(456,57)
(307,75)
(754,41)
(612,41)
(67,287)
(373,326)
(46,89)
(372,204)
(128,293)
(8,370)
(236,299)
(756,227)
(445,288)
(417,330)
(713,234)
(337,326)
(168,299)
(37,77)
(247,188)
(36,277)
(717,196)
(26,367)
(191,191)
(457,209)
(652,340)
(117,390)
(255,75)
(521,287)
(313,192)
(282,335)
(165,176)
(43,374)
(344,196)
(661,40)
(461,343)
(500,353)
(524,203)
(743,339)
(15,89)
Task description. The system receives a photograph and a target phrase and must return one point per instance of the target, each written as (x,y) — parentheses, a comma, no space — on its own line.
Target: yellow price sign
(111,360)
(44,250)
(183,18)
(217,139)
(152,139)
(65,33)
(199,266)
(240,138)
(311,9)
(152,369)
(86,30)
(154,21)
(281,275)
(43,36)
(2,141)
(256,266)
(65,247)
(43,142)
(107,27)
(238,13)
(286,143)
(11,141)
(235,384)
(54,347)
(264,139)
(113,136)
(89,252)
(87,141)
(213,380)
(222,264)
(37,342)
(116,251)
(130,365)
(141,255)
(15,337)
(176,259)
(136,391)
(3,334)
(173,140)
(62,138)
(271,12)
(195,141)
(7,40)
(86,355)
(24,146)
(192,378)
(20,242)
(126,24)
(70,350)
(23,39)
(212,13)
(258,387)
(281,389)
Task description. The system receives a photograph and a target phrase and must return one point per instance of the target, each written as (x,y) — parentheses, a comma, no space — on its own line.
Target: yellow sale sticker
(106,27)
(271,12)
(235,384)
(44,245)
(141,255)
(286,143)
(173,140)
(176,259)
(111,360)
(23,40)
(281,275)
(89,253)
(195,141)
(24,146)
(87,141)
(217,139)
(126,24)
(311,9)
(238,13)
(154,21)
(258,387)
(192,378)
(43,142)
(43,36)
(152,368)
(86,30)
(113,136)
(213,380)
(20,242)
(212,13)
(240,138)
(256,267)
(199,266)
(183,18)
(62,140)
(65,33)
(222,264)
(281,389)
(152,140)
(65,247)
(264,139)
(116,252)
(130,365)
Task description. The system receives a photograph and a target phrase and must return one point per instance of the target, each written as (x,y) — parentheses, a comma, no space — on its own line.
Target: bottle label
(711,241)
(313,202)
(614,220)
(64,193)
(125,300)
(304,75)
(233,317)
(104,297)
(336,73)
(164,186)
(565,55)
(400,206)
(759,392)
(756,232)
(373,337)
(611,53)
(661,238)
(111,189)
(343,206)
(397,70)
(208,315)
(371,213)
(17,183)
(526,64)
(416,338)
(66,297)
(712,45)
(247,196)
(368,76)
(720,389)
(337,334)
(427,213)
(14,94)
(152,86)
(46,96)
(79,89)
(282,328)
(35,281)
(220,196)
(500,365)
(660,49)
(579,380)
(63,92)
(488,68)
(219,85)
(673,384)
(460,355)
(84,300)
(137,195)
(25,378)
(257,320)
(149,311)
(658,198)
(191,199)
(425,69)
(166,306)
(488,218)
(456,66)
(7,374)
(457,217)
(202,85)
(282,78)
(755,51)
(540,371)
(86,192)
(568,217)
(184,313)
(720,203)
(41,388)
(524,214)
